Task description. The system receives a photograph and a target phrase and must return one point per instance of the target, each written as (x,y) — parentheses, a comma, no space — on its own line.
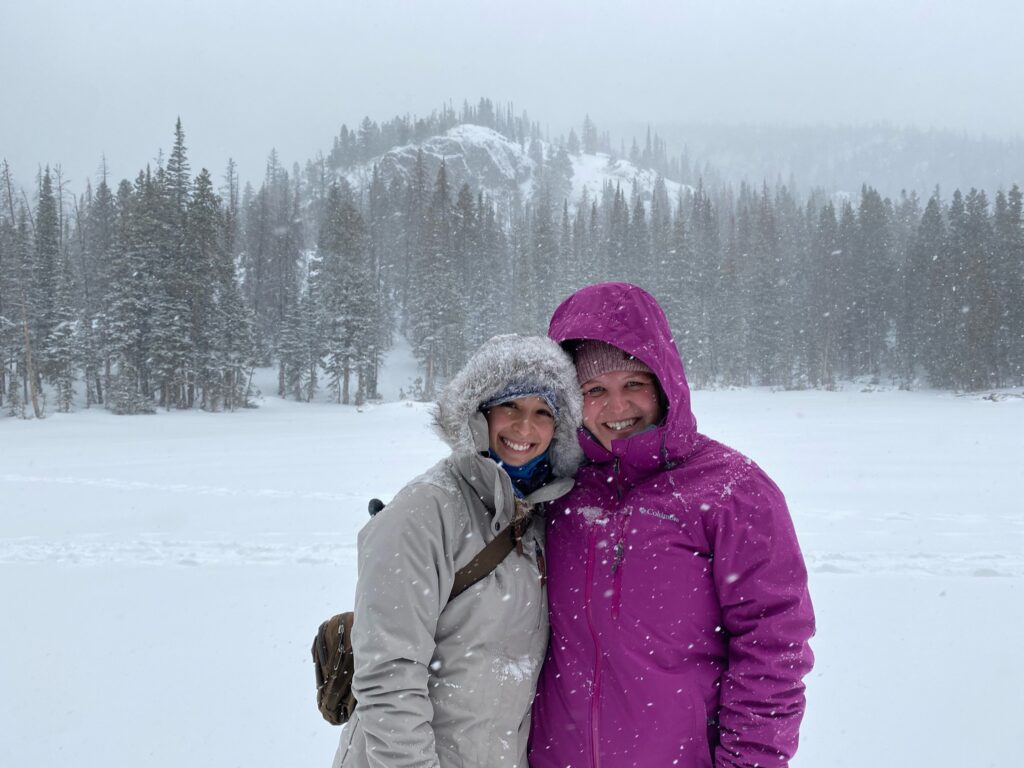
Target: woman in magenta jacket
(680,615)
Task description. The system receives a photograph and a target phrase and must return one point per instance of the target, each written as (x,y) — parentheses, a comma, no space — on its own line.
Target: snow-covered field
(161,577)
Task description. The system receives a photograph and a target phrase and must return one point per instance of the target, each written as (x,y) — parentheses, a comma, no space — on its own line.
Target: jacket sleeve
(406,571)
(761,580)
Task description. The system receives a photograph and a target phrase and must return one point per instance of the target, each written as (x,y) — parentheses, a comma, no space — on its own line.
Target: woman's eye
(593,392)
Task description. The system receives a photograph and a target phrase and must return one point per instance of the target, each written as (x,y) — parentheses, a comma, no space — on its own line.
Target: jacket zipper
(541,564)
(618,479)
(620,547)
(617,575)
(595,693)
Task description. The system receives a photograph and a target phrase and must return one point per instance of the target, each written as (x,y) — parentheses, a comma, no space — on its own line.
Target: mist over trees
(165,291)
(888,157)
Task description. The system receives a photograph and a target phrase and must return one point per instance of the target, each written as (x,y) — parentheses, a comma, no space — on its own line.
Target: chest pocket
(666,579)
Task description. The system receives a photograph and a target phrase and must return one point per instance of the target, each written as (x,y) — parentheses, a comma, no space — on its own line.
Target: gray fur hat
(533,364)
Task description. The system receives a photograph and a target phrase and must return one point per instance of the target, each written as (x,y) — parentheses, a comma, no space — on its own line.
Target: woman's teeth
(516,446)
(620,425)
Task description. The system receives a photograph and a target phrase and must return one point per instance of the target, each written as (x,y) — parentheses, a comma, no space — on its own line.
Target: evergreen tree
(132,283)
(872,278)
(42,298)
(203,265)
(923,340)
(1008,266)
(437,336)
(60,344)
(846,322)
(98,233)
(589,136)
(766,322)
(980,305)
(271,252)
(344,284)
(825,307)
(300,348)
(573,143)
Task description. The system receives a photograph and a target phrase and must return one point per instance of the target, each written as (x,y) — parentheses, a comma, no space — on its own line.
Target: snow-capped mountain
(490,162)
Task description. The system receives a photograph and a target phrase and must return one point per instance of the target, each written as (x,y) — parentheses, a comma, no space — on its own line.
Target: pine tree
(589,136)
(163,244)
(730,307)
(98,231)
(824,300)
(437,337)
(300,346)
(16,327)
(846,322)
(344,283)
(559,175)
(923,339)
(128,300)
(766,320)
(8,275)
(540,268)
(203,260)
(573,143)
(45,269)
(414,224)
(794,352)
(1008,245)
(661,225)
(639,242)
(980,308)
(873,275)
(61,343)
(271,252)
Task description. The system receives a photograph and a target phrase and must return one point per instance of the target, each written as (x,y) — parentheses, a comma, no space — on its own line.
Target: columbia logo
(655,513)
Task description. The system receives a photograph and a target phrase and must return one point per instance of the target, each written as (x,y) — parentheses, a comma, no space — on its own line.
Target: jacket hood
(628,317)
(500,363)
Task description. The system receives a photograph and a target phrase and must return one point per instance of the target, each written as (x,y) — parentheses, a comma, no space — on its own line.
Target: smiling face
(520,430)
(620,404)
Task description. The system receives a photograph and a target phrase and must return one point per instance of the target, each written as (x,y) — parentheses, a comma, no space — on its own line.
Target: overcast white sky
(85,78)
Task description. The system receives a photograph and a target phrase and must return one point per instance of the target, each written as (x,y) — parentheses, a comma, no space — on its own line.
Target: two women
(679,610)
(450,684)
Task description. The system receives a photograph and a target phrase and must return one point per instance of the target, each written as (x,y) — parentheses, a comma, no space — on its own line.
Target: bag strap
(489,558)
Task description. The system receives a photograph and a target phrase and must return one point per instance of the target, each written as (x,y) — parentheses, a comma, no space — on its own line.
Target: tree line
(165,292)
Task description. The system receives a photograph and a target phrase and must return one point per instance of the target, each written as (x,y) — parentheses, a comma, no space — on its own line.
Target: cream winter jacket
(451,684)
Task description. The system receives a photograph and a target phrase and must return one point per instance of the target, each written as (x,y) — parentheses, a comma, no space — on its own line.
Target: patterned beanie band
(516,390)
(594,358)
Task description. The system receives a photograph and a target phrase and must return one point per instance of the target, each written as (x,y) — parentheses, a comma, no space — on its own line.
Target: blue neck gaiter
(527,477)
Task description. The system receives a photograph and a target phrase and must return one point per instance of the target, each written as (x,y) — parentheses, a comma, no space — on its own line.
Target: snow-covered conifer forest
(161,578)
(166,290)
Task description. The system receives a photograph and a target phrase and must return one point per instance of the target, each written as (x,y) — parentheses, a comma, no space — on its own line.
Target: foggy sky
(81,80)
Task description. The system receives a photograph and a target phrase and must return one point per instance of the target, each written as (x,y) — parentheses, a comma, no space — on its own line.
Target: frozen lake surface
(161,576)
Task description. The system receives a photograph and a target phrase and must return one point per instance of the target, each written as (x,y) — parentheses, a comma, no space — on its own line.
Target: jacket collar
(493,486)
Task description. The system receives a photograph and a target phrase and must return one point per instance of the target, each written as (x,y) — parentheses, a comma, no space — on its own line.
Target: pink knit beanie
(593,358)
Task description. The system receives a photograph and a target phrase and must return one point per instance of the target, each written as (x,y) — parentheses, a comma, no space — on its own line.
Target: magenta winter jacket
(678,596)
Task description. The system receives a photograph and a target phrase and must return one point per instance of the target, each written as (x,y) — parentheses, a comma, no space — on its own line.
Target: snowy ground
(161,576)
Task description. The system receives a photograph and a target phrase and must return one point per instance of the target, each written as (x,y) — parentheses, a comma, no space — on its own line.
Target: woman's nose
(615,400)
(520,424)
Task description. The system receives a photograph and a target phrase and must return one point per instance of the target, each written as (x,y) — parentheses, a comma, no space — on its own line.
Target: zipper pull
(619,550)
(541,564)
(518,528)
